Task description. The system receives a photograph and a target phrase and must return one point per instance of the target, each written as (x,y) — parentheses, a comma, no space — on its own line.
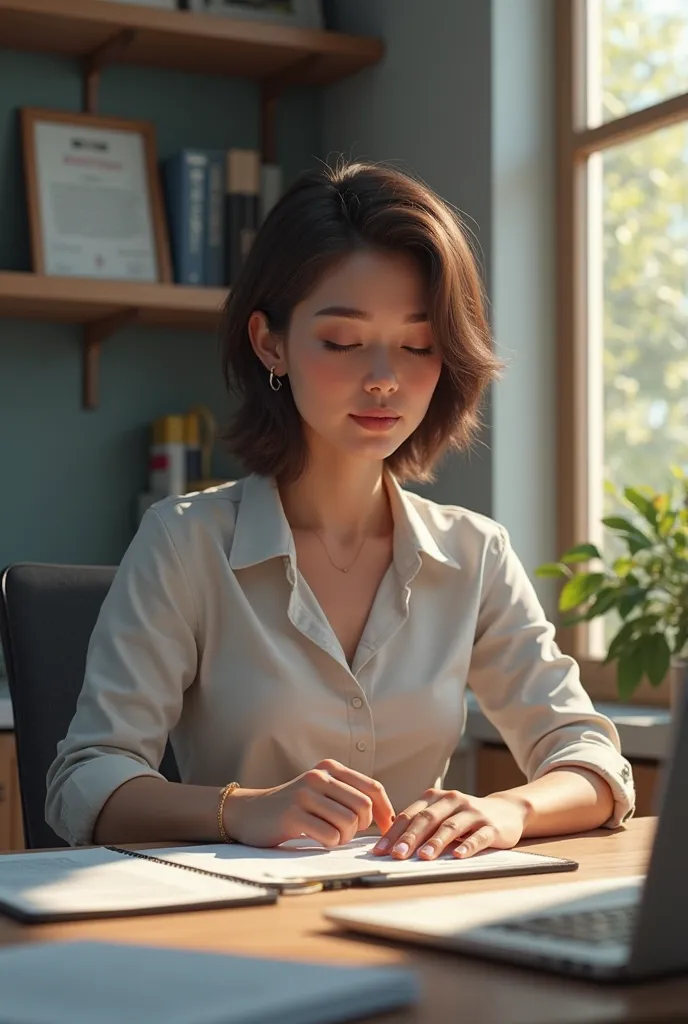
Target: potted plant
(647,585)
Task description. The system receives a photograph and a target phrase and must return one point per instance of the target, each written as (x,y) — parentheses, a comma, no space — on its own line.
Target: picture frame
(94,197)
(301,13)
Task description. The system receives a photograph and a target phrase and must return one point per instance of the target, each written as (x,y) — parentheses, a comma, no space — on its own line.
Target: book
(242,198)
(214,260)
(270,188)
(80,982)
(73,884)
(184,180)
(304,865)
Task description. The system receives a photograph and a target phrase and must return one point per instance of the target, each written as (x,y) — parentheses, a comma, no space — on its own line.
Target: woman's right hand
(329,803)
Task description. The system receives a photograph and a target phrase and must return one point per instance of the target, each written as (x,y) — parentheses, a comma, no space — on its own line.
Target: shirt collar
(262,530)
(415,533)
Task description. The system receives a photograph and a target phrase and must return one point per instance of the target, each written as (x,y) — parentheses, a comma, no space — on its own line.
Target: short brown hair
(326,215)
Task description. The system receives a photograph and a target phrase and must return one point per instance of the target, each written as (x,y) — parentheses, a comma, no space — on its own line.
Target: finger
(453,828)
(383,812)
(321,781)
(399,826)
(425,824)
(481,839)
(301,823)
(340,817)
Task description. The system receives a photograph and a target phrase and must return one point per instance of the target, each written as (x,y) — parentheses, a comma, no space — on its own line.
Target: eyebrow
(359,314)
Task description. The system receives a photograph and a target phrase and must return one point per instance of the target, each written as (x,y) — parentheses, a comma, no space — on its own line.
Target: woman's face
(361,344)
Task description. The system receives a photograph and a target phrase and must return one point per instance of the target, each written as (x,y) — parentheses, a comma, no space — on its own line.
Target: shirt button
(360,746)
(357,702)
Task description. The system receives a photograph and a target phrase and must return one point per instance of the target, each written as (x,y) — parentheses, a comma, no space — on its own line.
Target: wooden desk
(455,988)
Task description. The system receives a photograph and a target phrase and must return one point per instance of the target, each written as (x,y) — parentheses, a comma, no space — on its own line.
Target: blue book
(184,176)
(215,219)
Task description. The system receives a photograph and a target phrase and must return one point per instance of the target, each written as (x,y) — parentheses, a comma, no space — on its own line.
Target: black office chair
(47,615)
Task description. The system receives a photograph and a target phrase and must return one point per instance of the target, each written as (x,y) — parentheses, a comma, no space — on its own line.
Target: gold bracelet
(227,791)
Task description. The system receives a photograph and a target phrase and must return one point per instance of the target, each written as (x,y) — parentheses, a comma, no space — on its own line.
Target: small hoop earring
(274,382)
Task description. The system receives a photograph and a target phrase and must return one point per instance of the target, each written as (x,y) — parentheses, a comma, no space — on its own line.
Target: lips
(376,421)
(382,414)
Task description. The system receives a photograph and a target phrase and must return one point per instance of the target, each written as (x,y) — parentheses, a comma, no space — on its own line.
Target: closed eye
(332,346)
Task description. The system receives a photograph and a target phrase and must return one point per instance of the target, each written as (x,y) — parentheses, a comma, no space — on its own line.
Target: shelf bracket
(271,89)
(93,64)
(95,333)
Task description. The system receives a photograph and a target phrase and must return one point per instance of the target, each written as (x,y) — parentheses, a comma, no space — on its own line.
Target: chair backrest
(47,614)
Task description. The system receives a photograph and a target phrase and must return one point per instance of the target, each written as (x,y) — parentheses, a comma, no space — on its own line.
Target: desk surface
(455,987)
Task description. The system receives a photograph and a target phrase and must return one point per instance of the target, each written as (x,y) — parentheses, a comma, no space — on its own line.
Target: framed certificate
(95,204)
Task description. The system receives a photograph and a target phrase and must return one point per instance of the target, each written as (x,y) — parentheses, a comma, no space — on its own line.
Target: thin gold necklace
(339,567)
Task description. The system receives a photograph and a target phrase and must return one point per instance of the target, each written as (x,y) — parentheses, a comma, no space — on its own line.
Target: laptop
(615,929)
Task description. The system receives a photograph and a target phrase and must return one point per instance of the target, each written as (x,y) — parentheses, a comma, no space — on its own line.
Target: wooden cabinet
(495,769)
(11,828)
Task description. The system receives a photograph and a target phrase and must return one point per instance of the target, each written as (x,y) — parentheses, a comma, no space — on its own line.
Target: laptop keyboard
(599,927)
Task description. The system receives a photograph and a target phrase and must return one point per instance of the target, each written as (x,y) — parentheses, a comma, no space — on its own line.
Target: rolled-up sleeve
(141,657)
(531,692)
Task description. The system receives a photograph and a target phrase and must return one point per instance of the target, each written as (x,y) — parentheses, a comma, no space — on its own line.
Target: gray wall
(426,108)
(523,260)
(68,477)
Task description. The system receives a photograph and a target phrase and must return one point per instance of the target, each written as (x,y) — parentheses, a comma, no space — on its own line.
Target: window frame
(575,143)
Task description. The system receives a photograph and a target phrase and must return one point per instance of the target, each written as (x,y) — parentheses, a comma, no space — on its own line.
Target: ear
(268,348)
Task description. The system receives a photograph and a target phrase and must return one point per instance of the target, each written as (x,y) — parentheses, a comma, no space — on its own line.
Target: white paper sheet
(303,858)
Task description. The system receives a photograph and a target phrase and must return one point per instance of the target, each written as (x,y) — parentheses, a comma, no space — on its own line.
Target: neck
(342,502)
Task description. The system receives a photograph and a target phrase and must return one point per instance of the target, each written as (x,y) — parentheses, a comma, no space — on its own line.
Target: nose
(381,377)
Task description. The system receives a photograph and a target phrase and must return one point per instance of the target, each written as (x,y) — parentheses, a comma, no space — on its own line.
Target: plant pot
(678,684)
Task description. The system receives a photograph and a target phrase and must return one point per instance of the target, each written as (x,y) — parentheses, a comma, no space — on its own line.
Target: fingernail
(426,851)
(401,848)
(382,846)
(461,850)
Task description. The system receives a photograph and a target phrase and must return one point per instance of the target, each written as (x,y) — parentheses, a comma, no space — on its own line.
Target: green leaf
(581,553)
(552,570)
(623,638)
(665,524)
(656,657)
(636,544)
(624,526)
(605,600)
(629,672)
(623,565)
(630,600)
(642,502)
(644,505)
(677,472)
(579,589)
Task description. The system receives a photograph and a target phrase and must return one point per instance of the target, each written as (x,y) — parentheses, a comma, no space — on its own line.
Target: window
(622,213)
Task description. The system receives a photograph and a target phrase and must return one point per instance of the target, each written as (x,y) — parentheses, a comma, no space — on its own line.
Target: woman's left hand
(443,817)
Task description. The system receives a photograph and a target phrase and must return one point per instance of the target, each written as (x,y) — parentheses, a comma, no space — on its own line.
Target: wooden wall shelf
(102,307)
(185,41)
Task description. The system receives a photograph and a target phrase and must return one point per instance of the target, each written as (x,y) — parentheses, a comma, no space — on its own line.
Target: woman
(306,634)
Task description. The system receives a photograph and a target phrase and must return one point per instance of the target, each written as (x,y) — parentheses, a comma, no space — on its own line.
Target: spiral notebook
(73,884)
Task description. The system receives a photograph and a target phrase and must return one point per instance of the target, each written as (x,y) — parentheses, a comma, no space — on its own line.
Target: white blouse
(210,634)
